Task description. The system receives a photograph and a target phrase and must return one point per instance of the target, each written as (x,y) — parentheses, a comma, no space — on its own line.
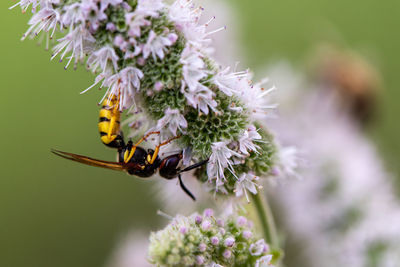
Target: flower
(246,144)
(139,17)
(149,8)
(183,12)
(258,248)
(193,68)
(92,13)
(24,4)
(171,123)
(201,98)
(46,20)
(264,261)
(228,82)
(77,42)
(73,15)
(288,162)
(124,83)
(104,4)
(197,35)
(244,183)
(254,97)
(135,23)
(156,45)
(102,58)
(173,247)
(219,160)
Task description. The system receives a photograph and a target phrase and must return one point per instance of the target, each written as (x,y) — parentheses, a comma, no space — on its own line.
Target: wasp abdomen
(109,124)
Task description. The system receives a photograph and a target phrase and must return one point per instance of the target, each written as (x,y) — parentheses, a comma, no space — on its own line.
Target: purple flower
(229,242)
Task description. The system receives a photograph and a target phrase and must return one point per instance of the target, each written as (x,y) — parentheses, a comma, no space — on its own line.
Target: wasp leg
(128,155)
(194,166)
(157,149)
(185,189)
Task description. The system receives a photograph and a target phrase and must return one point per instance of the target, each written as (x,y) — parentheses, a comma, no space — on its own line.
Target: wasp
(132,158)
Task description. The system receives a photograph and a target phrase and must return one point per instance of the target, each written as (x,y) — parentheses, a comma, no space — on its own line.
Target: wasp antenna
(185,189)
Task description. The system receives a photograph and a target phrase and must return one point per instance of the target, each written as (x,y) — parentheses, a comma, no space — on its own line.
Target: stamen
(217,30)
(209,21)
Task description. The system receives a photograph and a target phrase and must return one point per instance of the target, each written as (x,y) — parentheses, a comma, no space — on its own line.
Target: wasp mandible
(132,158)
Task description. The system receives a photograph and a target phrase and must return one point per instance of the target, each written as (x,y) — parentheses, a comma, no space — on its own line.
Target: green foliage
(158,102)
(203,130)
(168,71)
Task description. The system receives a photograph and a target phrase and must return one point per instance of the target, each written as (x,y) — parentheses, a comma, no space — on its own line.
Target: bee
(132,158)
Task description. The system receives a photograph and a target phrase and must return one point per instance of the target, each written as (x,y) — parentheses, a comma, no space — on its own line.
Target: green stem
(266,219)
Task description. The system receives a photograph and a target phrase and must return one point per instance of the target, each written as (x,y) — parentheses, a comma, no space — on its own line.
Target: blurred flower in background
(131,251)
(344,210)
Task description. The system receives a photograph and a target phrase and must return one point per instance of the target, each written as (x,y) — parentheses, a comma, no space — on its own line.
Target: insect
(132,158)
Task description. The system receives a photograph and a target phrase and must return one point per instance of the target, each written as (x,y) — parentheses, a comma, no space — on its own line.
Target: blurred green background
(56,213)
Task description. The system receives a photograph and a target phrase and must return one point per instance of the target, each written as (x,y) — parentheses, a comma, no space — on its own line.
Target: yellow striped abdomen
(109,123)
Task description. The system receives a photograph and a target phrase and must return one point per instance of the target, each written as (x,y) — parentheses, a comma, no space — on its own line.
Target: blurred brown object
(351,79)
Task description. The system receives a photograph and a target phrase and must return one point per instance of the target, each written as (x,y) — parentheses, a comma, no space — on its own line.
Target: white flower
(288,162)
(92,13)
(201,98)
(124,83)
(193,68)
(246,144)
(73,15)
(244,183)
(264,261)
(102,59)
(229,82)
(182,12)
(254,97)
(197,36)
(258,248)
(219,160)
(172,121)
(78,41)
(46,20)
(24,4)
(156,45)
(105,3)
(186,17)
(147,8)
(135,22)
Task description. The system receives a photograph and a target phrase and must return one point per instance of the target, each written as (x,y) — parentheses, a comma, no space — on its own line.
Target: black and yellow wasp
(132,158)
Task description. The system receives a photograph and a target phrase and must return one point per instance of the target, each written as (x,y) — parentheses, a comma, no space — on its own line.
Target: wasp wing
(95,162)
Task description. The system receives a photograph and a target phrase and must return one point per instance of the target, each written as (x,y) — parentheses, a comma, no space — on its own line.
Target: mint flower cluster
(156,58)
(203,240)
